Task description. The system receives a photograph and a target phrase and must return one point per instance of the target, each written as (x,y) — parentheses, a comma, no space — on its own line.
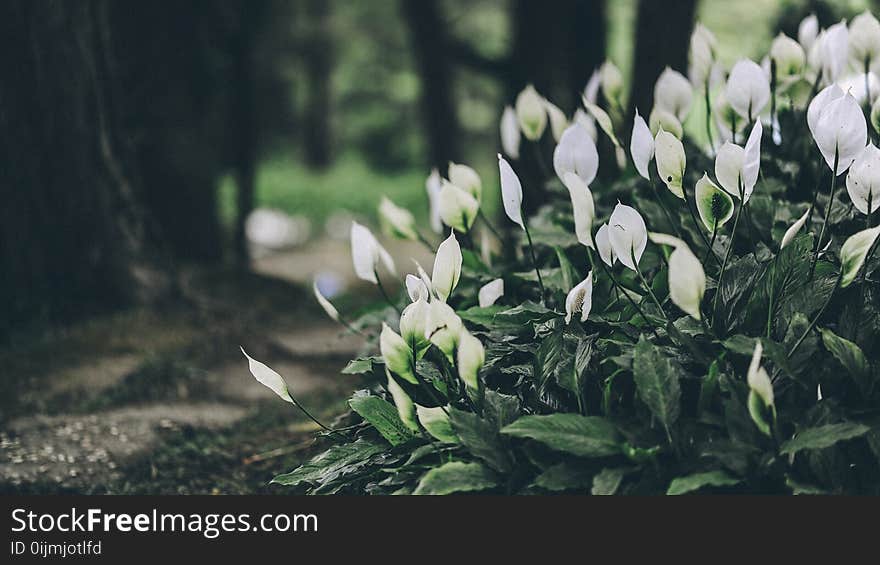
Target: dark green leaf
(456,476)
(481,316)
(360,366)
(501,409)
(383,416)
(338,461)
(697,481)
(586,436)
(656,378)
(823,436)
(607,481)
(547,356)
(850,356)
(564,476)
(481,438)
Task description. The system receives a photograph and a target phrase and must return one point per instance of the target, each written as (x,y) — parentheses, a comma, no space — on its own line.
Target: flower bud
(436,423)
(467,179)
(268,378)
(490,293)
(458,208)
(863,180)
(761,398)
(853,253)
(864,41)
(793,230)
(790,58)
(671,161)
(396,221)
(531,113)
(396,353)
(673,93)
(510,133)
(611,80)
(701,55)
(641,146)
(471,356)
(580,299)
(511,192)
(628,235)
(687,280)
(447,267)
(433,186)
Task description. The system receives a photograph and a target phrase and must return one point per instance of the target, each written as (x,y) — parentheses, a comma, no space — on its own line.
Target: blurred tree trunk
(73,230)
(318,52)
(430,41)
(663,33)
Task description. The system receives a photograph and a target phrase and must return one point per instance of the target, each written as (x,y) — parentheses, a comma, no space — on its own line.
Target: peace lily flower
(423,276)
(583,206)
(863,180)
(366,254)
(701,55)
(602,118)
(443,328)
(833,51)
(466,178)
(838,126)
(397,354)
(580,299)
(436,423)
(412,326)
(628,235)
(736,168)
(671,161)
(808,30)
(458,208)
(558,121)
(687,280)
(416,288)
(854,252)
(663,120)
(396,221)
(447,267)
(761,399)
(864,41)
(511,192)
(603,246)
(673,93)
(790,59)
(471,356)
(748,89)
(325,304)
(641,146)
(406,408)
(531,113)
(713,204)
(794,229)
(490,292)
(433,186)
(267,377)
(576,153)
(510,133)
(611,81)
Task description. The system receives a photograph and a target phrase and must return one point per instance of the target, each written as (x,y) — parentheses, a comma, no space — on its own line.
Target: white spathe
(490,292)
(641,146)
(447,267)
(748,89)
(580,299)
(839,129)
(671,161)
(673,93)
(510,133)
(511,192)
(583,206)
(267,377)
(576,153)
(628,235)
(863,180)
(687,280)
(367,253)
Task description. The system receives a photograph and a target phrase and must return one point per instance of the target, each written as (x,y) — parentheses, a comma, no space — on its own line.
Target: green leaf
(823,436)
(523,315)
(436,422)
(501,409)
(481,316)
(564,476)
(566,269)
(690,483)
(656,378)
(481,438)
(850,356)
(572,378)
(383,416)
(607,481)
(456,476)
(547,356)
(360,366)
(339,461)
(585,436)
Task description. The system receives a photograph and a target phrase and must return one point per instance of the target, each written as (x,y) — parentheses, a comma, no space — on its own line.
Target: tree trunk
(429,39)
(318,53)
(663,32)
(73,232)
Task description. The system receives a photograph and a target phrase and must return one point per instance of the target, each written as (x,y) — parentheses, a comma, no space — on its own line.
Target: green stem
(727,257)
(385,294)
(666,213)
(619,287)
(709,118)
(711,249)
(425,242)
(827,212)
(489,225)
(646,285)
(534,260)
(816,319)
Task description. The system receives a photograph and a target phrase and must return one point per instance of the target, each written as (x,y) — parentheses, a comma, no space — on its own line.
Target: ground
(152,401)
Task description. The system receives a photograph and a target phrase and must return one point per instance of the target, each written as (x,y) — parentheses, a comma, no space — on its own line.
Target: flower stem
(666,213)
(424,241)
(489,225)
(534,260)
(619,287)
(385,294)
(711,250)
(816,319)
(827,212)
(726,258)
(709,118)
(646,285)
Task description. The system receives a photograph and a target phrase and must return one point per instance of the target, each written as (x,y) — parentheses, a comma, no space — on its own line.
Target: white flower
(671,161)
(665,239)
(603,119)
(412,326)
(591,90)
(466,178)
(268,378)
(612,82)
(583,118)
(833,47)
(748,89)
(558,121)
(701,55)
(583,206)
(603,245)
(447,267)
(736,168)
(511,192)
(576,153)
(789,56)
(853,253)
(397,354)
(673,93)
(863,180)
(838,126)
(662,120)
(416,288)
(628,235)
(687,281)
(531,113)
(396,221)
(641,146)
(433,186)
(510,133)
(325,304)
(808,30)
(760,390)
(793,230)
(714,205)
(471,356)
(490,292)
(366,254)
(864,41)
(580,299)
(458,208)
(443,328)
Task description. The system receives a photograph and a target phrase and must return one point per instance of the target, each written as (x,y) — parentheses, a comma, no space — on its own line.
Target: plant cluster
(706,321)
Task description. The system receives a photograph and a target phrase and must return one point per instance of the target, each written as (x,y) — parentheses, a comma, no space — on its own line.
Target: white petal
(531,113)
(670,158)
(558,121)
(641,146)
(511,192)
(603,119)
(728,168)
(416,288)
(580,299)
(490,292)
(325,304)
(863,180)
(447,267)
(603,245)
(853,253)
(268,377)
(748,89)
(687,281)
(752,159)
(433,185)
(510,133)
(793,230)
(628,235)
(364,252)
(583,206)
(673,93)
(466,178)
(576,153)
